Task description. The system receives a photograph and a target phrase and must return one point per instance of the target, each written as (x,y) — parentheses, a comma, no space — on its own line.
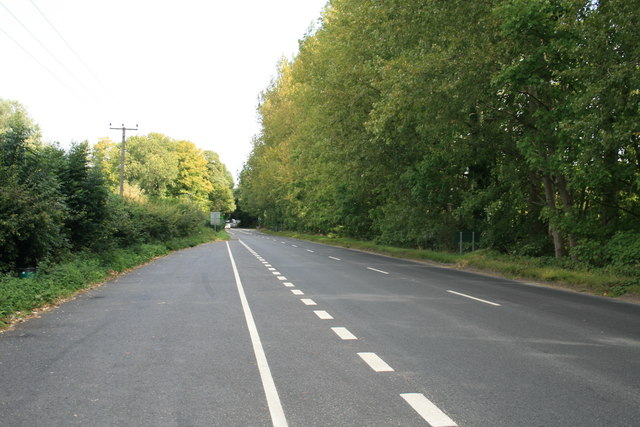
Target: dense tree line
(54,202)
(161,167)
(406,121)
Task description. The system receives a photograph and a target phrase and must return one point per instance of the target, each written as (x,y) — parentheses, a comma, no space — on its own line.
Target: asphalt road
(273,331)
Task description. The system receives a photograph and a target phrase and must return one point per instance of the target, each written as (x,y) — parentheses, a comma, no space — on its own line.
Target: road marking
(281,277)
(427,410)
(276,273)
(309,250)
(344,333)
(308,301)
(273,400)
(295,246)
(297,292)
(375,362)
(282,243)
(270,268)
(337,259)
(375,269)
(288,284)
(323,315)
(474,298)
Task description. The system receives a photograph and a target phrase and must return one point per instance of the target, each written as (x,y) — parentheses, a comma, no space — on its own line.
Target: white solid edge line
(427,410)
(344,333)
(323,315)
(375,269)
(474,298)
(375,362)
(273,400)
(308,301)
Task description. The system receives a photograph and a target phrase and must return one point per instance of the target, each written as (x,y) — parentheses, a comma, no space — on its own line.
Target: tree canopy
(162,167)
(408,121)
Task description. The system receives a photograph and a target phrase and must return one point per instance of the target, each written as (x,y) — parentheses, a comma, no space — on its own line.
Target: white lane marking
(375,269)
(474,298)
(276,273)
(265,262)
(273,400)
(309,250)
(323,315)
(344,333)
(375,362)
(337,259)
(282,243)
(308,301)
(270,268)
(297,292)
(281,277)
(288,284)
(427,410)
(295,246)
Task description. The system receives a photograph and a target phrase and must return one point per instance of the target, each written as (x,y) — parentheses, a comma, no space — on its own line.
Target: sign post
(215,220)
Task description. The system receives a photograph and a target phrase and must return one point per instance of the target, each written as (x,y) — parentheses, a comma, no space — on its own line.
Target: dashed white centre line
(427,410)
(344,333)
(323,315)
(337,259)
(474,298)
(270,268)
(308,301)
(379,271)
(288,284)
(297,292)
(276,273)
(375,362)
(295,246)
(309,250)
(281,277)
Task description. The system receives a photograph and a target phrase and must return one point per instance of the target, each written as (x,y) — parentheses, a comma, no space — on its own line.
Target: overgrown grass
(52,283)
(610,281)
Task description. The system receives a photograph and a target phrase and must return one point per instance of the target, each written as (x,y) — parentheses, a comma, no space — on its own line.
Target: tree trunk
(549,193)
(567,205)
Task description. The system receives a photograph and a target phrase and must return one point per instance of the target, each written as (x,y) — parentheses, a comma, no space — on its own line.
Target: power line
(39,63)
(70,48)
(46,49)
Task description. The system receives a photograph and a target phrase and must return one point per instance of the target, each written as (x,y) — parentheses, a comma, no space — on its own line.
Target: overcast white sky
(191,69)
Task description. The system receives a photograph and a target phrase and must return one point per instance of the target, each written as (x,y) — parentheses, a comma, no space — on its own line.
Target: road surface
(265,330)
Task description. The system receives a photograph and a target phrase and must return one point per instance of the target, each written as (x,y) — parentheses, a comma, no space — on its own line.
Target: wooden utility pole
(123,129)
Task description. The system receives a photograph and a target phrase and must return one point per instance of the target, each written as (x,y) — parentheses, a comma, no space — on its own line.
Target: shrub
(623,249)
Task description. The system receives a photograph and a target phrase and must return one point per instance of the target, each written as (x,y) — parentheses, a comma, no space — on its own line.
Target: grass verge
(57,282)
(610,281)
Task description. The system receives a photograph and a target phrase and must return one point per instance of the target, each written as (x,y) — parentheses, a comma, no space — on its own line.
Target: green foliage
(403,122)
(161,167)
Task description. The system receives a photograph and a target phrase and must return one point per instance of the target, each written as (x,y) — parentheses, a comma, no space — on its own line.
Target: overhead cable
(46,49)
(70,48)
